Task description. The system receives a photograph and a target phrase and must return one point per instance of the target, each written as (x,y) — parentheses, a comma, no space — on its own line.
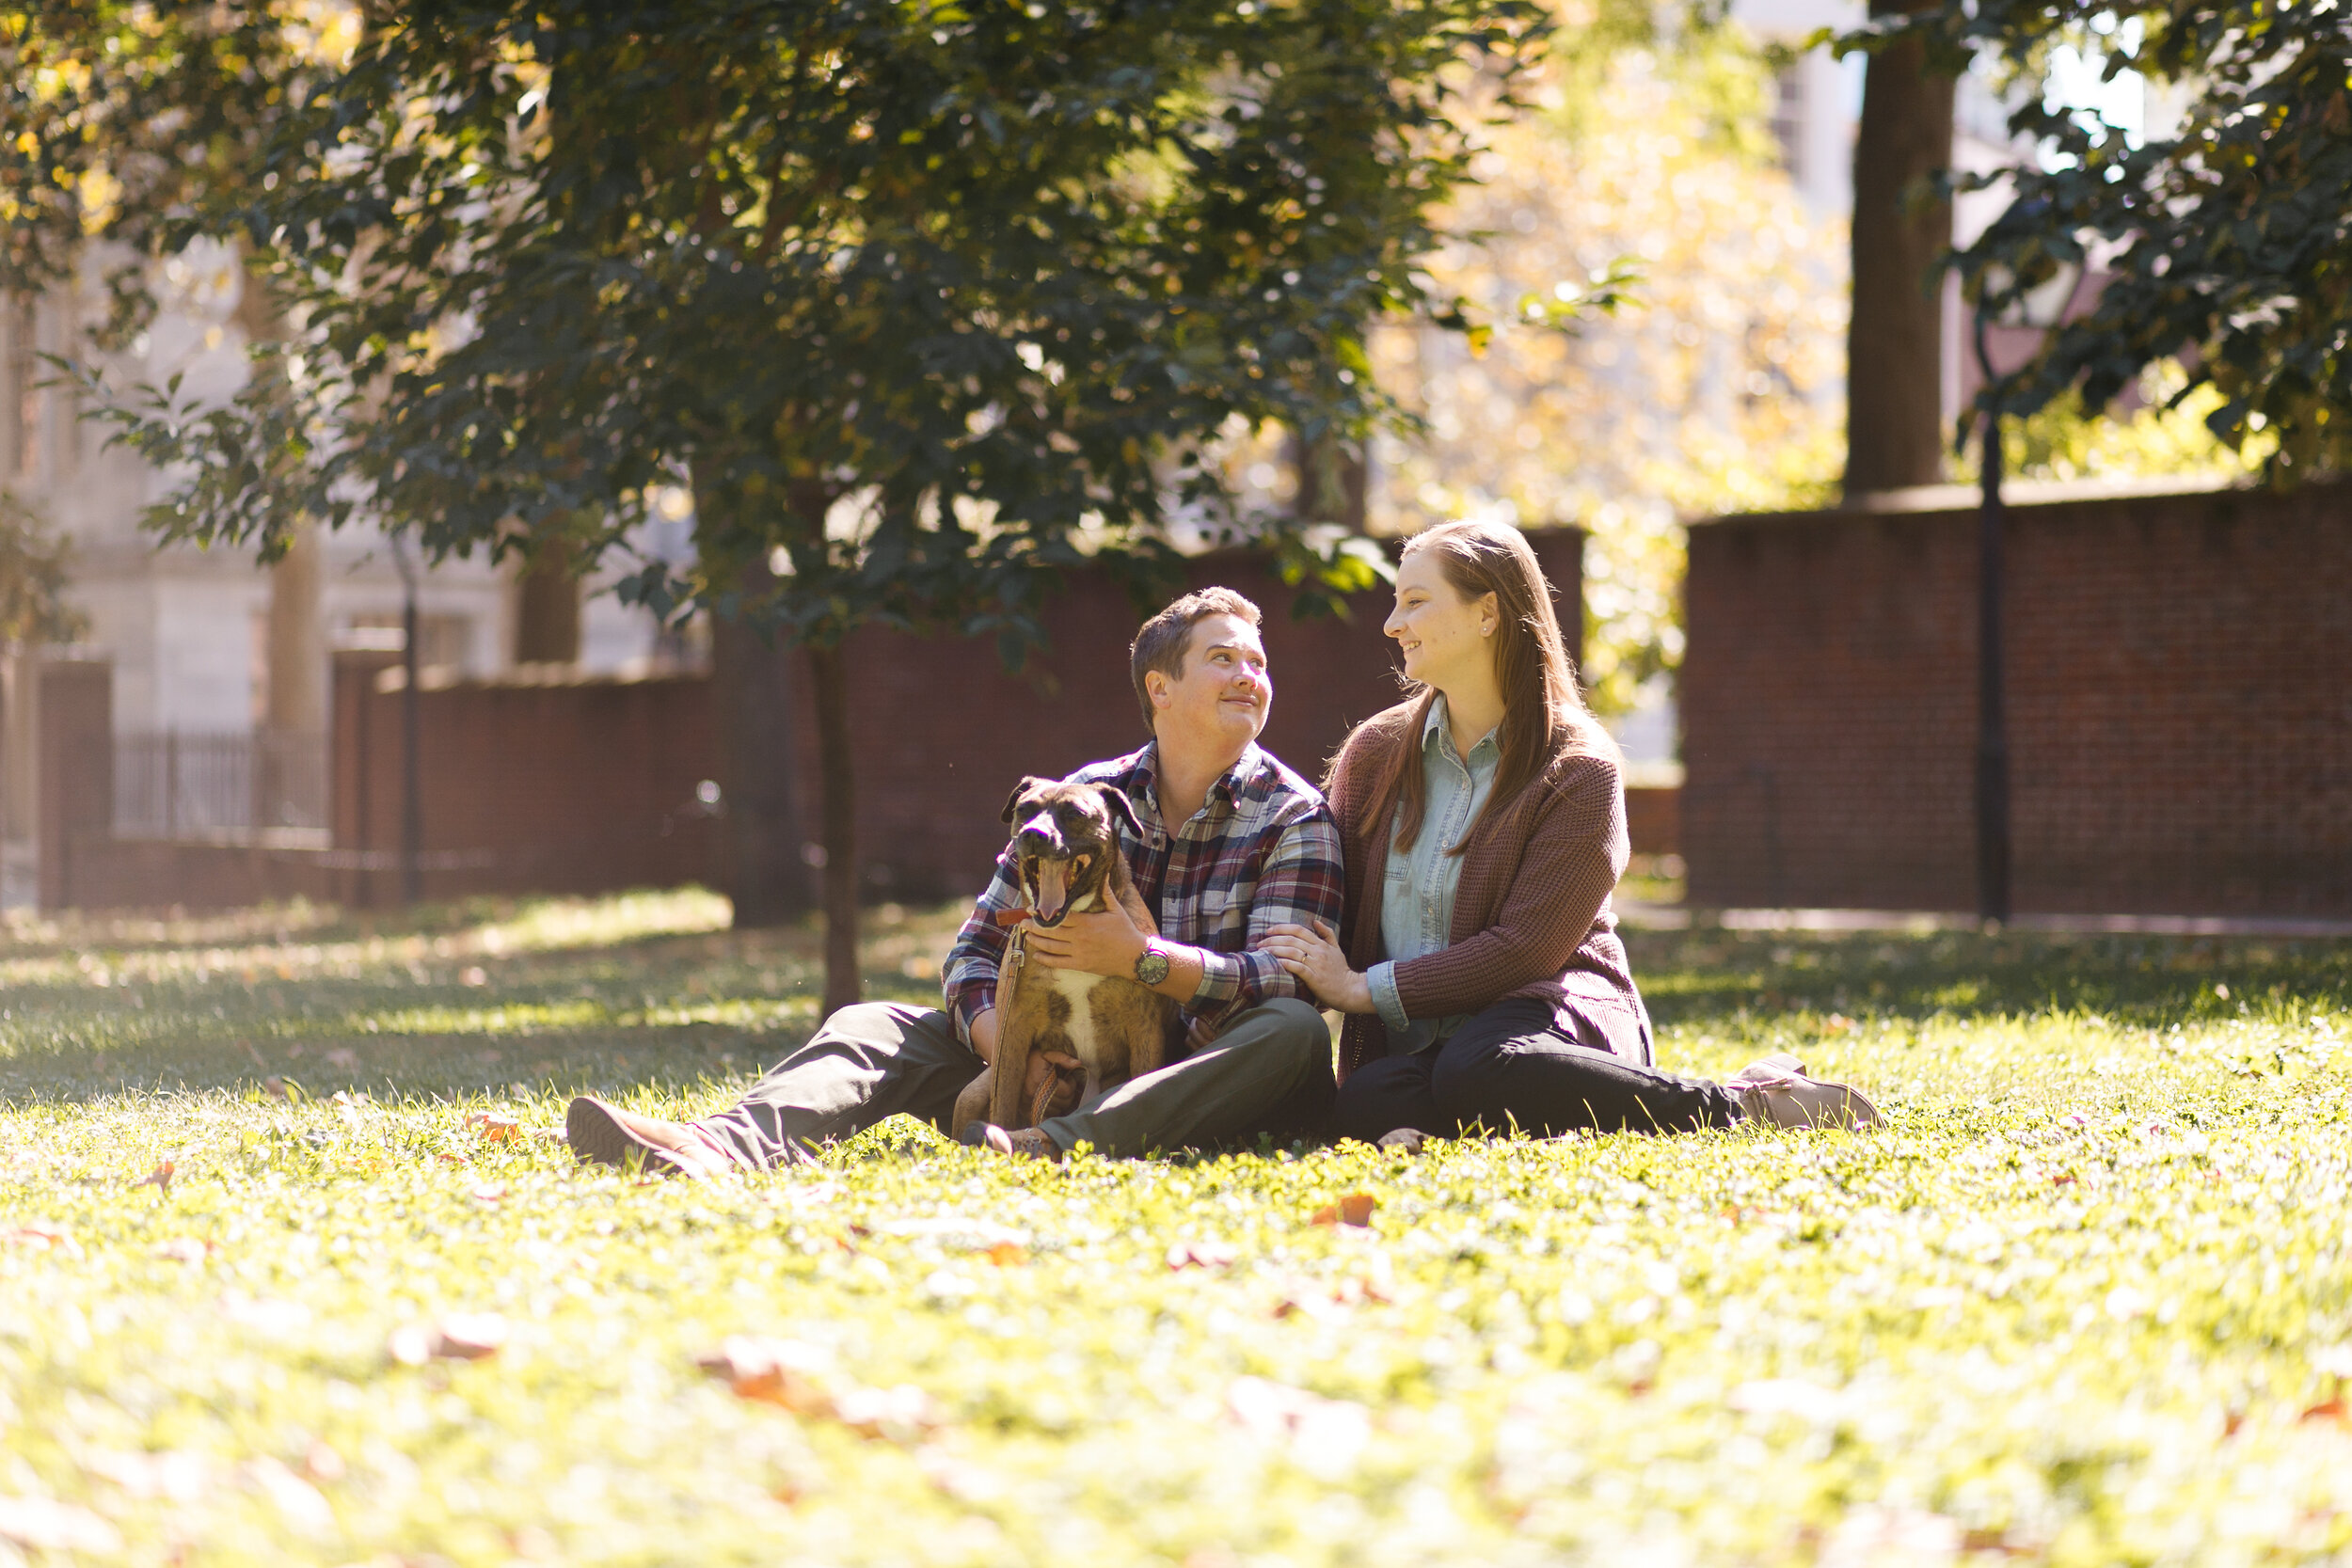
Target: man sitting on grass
(1234,845)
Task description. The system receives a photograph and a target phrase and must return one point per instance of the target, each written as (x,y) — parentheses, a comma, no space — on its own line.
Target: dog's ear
(1121,807)
(1012,801)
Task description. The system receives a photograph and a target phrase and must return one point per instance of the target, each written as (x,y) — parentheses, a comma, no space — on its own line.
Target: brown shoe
(608,1135)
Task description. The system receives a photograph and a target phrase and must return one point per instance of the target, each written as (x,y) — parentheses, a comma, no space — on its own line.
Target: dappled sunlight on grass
(2086,1300)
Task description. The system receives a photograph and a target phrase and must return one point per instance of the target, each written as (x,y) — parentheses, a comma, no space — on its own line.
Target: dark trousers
(1268,1073)
(1510,1067)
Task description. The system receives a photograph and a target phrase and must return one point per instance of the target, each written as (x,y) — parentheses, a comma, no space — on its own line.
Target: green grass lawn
(2086,1301)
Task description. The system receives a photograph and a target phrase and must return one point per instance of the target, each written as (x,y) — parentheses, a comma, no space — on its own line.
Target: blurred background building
(220,668)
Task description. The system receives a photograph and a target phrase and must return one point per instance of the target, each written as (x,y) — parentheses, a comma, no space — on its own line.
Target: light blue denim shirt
(1416,894)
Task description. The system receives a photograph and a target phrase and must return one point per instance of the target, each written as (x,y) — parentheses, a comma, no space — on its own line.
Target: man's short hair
(1167,637)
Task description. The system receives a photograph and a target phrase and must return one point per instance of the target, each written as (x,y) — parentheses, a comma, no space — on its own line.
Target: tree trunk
(830,681)
(547,608)
(1338,465)
(1895,339)
(293,744)
(752,690)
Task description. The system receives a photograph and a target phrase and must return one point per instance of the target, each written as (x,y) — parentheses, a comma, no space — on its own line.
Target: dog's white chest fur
(1077,988)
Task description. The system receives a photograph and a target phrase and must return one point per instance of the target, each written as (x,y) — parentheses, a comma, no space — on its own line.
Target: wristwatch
(1152,963)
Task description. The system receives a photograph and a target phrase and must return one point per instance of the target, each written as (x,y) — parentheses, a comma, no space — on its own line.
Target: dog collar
(1011,917)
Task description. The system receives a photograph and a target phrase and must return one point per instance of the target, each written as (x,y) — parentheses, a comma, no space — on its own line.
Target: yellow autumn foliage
(1717,389)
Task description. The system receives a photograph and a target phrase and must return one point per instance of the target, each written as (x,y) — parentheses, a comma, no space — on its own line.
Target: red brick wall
(109,873)
(590,785)
(2180,706)
(1653,818)
(528,787)
(945,733)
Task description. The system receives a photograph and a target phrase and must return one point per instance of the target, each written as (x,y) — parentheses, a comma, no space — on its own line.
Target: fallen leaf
(802,1378)
(2332,1410)
(494,1128)
(901,1414)
(554,1135)
(186,1249)
(469,1336)
(459,1337)
(48,1525)
(1201,1255)
(1006,1254)
(160,1177)
(777,1371)
(46,1237)
(1355,1208)
(489,1194)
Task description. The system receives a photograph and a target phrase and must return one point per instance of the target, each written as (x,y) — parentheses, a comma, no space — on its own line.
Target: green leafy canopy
(2226,236)
(921,300)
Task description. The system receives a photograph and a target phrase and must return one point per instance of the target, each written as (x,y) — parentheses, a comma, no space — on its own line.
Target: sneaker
(1028,1142)
(1778,1092)
(603,1133)
(1403,1140)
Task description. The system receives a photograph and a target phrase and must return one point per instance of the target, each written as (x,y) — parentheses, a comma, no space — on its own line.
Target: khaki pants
(1269,1072)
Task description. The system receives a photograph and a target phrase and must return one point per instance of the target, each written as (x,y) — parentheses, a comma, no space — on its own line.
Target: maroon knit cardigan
(1531,917)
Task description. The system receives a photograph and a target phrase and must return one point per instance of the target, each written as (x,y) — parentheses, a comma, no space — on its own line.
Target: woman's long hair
(1543,713)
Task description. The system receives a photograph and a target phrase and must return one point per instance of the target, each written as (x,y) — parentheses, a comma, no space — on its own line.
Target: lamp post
(2042,307)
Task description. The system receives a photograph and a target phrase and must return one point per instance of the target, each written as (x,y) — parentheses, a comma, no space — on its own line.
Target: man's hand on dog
(1102,942)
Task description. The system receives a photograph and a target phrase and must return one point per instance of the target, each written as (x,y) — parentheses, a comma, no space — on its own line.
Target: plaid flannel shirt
(1262,850)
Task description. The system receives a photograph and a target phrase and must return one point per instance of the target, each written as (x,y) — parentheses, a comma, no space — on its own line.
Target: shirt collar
(1229,784)
(1246,768)
(1434,725)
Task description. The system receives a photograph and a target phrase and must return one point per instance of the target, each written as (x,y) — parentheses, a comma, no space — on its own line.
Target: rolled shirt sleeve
(968,978)
(1303,881)
(1381,977)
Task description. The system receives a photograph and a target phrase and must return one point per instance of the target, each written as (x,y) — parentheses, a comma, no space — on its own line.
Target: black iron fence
(179,784)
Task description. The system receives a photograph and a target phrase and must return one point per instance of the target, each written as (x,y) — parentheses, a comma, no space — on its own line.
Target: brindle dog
(1065,838)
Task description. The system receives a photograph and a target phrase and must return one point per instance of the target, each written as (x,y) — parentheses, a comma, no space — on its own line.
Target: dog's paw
(1029,1142)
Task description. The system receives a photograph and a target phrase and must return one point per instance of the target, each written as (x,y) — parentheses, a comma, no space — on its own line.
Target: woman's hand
(1315,956)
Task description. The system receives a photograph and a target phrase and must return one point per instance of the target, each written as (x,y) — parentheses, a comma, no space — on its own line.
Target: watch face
(1152,968)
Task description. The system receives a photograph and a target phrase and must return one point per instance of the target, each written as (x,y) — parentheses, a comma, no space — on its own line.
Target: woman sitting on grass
(1484,825)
